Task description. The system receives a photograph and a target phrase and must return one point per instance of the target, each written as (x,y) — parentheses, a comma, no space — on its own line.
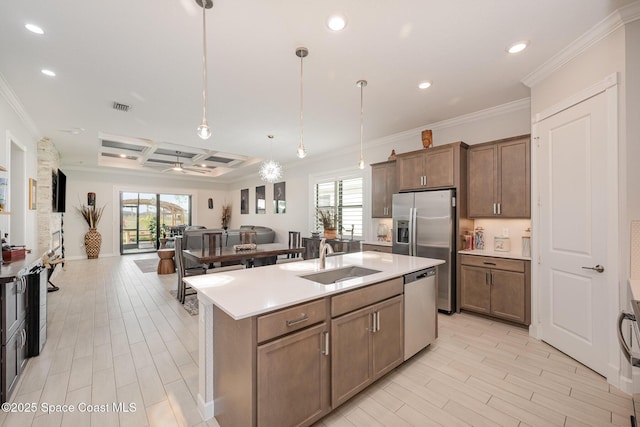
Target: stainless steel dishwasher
(420,310)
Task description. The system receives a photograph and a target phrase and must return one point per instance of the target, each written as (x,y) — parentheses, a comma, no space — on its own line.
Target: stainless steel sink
(329,277)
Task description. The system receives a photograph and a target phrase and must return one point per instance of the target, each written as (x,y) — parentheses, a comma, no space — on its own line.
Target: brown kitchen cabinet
(293,378)
(497,287)
(500,179)
(367,342)
(383,185)
(272,369)
(430,168)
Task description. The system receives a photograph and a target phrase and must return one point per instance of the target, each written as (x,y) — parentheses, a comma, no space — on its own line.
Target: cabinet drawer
(494,263)
(291,319)
(376,248)
(349,301)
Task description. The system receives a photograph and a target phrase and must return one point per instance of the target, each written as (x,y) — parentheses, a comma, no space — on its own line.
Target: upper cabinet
(430,168)
(500,179)
(383,185)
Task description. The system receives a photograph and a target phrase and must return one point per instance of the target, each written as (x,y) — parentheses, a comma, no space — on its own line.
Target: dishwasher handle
(418,275)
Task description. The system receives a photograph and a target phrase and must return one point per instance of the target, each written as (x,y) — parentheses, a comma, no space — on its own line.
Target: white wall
(108,184)
(13,131)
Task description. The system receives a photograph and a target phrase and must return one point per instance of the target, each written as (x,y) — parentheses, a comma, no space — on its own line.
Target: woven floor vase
(92,243)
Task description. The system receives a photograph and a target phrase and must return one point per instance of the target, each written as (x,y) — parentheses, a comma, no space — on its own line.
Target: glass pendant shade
(301,151)
(204,131)
(302,52)
(270,171)
(361,84)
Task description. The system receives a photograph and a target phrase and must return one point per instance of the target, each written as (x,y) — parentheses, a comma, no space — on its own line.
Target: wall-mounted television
(58,190)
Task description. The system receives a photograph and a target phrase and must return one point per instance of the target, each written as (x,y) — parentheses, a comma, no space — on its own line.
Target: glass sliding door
(145,217)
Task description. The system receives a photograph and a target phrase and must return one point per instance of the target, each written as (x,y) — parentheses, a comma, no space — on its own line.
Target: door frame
(609,85)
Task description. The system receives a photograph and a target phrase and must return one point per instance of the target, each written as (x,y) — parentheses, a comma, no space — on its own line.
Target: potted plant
(92,239)
(329,221)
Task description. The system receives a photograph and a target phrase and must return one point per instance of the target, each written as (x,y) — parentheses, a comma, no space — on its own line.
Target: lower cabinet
(497,287)
(14,358)
(367,343)
(13,334)
(293,378)
(291,367)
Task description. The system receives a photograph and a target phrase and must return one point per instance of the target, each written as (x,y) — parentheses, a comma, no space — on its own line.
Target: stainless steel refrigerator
(424,226)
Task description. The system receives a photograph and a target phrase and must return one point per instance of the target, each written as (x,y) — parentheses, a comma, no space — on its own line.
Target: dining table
(230,254)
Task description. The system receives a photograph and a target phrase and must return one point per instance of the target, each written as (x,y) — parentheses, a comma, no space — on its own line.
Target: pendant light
(301,53)
(204,131)
(270,170)
(361,84)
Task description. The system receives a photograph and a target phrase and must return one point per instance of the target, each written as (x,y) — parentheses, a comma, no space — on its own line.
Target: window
(343,198)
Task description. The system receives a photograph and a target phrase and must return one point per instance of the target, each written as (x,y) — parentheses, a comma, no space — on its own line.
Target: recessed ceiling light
(518,46)
(424,85)
(336,22)
(48,73)
(124,156)
(34,29)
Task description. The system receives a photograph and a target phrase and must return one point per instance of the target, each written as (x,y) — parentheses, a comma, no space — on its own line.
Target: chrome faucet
(325,249)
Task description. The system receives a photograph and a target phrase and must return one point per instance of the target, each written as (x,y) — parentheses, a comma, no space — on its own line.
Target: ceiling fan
(178,166)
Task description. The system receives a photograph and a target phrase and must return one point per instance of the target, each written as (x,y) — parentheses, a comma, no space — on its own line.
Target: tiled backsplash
(635,249)
(512,228)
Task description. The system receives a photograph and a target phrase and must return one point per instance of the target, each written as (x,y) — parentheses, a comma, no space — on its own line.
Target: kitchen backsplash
(512,228)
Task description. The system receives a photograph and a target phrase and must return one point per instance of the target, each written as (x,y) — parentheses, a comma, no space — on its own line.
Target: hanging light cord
(361,121)
(204,61)
(302,101)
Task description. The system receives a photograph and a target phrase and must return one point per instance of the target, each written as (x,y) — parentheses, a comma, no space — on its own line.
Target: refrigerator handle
(414,232)
(410,231)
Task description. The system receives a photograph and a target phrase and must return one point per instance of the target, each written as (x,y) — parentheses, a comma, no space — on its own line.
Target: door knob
(597,268)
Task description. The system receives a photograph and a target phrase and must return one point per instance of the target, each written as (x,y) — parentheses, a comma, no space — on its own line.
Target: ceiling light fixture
(204,131)
(178,164)
(270,170)
(301,53)
(361,84)
(48,73)
(424,85)
(518,46)
(336,22)
(34,29)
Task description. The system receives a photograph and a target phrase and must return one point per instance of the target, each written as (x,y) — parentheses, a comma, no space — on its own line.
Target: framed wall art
(244,201)
(279,197)
(32,194)
(261,200)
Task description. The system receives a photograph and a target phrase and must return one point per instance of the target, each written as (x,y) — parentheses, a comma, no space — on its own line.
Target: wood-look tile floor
(117,335)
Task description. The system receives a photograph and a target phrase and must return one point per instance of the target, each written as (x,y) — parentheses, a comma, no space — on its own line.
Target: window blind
(344,198)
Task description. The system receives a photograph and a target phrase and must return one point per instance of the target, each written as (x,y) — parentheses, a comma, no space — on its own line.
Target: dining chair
(248,236)
(295,241)
(183,269)
(209,240)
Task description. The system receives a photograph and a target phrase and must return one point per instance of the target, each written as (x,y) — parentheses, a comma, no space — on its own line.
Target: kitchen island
(266,316)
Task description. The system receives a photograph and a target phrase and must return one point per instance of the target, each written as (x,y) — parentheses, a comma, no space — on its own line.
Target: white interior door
(573,231)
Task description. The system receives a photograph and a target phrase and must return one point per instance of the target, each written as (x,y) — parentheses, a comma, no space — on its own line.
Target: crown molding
(518,105)
(598,32)
(7,93)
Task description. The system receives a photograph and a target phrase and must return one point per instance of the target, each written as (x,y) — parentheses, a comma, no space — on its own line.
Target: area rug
(147,265)
(190,303)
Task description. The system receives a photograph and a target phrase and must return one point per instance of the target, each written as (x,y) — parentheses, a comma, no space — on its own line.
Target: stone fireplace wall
(48,221)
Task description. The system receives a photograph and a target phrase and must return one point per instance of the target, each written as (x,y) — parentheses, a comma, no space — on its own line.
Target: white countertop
(489,252)
(253,291)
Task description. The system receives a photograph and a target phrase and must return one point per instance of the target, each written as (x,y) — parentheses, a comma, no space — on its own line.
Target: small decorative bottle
(479,238)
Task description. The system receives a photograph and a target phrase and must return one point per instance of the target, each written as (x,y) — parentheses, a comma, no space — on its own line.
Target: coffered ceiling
(147,55)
